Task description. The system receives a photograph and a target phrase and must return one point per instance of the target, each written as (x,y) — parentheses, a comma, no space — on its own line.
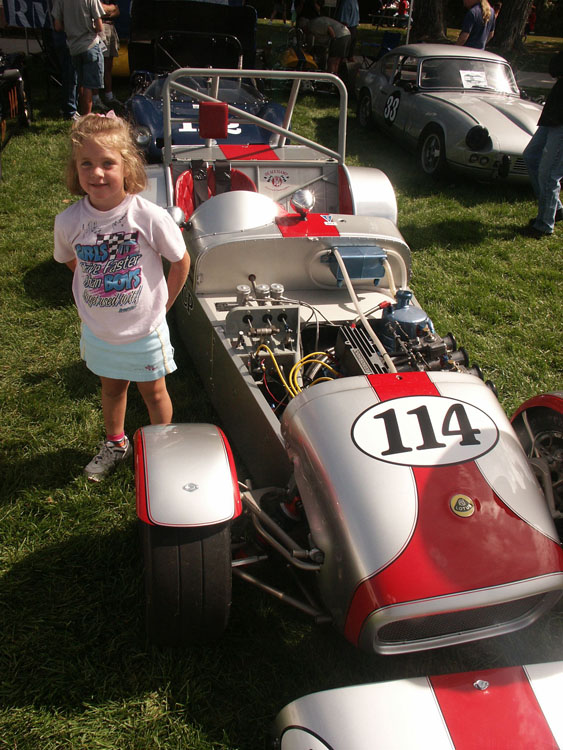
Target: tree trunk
(510,26)
(428,21)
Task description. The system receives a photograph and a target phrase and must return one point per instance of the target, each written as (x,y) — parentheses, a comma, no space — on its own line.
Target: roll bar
(215,74)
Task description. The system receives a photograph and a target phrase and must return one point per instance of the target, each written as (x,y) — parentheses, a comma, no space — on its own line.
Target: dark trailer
(150,18)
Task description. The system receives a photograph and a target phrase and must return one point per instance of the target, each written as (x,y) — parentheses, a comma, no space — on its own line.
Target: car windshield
(464,73)
(231,91)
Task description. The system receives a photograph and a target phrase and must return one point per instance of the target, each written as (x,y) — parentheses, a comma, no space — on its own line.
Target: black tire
(364,112)
(545,441)
(432,152)
(188,583)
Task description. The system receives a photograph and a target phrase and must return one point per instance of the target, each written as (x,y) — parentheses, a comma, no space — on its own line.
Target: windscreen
(465,73)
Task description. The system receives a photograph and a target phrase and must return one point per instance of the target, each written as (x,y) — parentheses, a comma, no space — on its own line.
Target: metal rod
(320,617)
(171,82)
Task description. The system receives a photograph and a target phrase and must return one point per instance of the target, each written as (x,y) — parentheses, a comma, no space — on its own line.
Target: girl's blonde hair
(486,10)
(115,133)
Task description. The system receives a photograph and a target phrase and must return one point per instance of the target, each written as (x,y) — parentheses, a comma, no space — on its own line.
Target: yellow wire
(305,361)
(291,392)
(298,364)
(320,380)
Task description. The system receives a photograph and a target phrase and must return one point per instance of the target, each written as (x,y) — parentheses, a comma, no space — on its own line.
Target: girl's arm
(72,264)
(177,276)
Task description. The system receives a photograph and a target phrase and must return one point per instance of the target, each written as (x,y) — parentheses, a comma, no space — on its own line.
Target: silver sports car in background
(455,106)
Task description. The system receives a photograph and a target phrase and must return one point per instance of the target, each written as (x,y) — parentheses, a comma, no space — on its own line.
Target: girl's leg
(155,395)
(114,404)
(116,448)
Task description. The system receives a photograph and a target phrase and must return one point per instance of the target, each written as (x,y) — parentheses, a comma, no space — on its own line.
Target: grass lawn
(76,671)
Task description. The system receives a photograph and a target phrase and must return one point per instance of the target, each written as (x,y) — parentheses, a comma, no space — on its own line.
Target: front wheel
(365,115)
(432,152)
(188,582)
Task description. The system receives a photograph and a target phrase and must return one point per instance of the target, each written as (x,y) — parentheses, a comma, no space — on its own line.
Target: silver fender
(185,476)
(424,712)
(372,193)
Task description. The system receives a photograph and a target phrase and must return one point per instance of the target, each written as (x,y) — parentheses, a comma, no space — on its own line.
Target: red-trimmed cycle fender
(552,400)
(185,476)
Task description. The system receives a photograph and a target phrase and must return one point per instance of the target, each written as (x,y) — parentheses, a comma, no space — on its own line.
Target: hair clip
(110,115)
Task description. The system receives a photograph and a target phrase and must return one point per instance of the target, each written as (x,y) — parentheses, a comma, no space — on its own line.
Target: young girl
(113,240)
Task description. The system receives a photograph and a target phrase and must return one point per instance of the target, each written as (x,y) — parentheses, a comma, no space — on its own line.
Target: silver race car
(367,455)
(454,106)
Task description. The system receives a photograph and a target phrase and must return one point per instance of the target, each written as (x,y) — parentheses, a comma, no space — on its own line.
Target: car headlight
(478,138)
(142,136)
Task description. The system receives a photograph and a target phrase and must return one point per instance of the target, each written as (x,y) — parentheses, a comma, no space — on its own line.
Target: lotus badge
(462,506)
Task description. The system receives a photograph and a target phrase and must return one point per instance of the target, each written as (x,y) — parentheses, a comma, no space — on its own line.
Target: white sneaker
(109,456)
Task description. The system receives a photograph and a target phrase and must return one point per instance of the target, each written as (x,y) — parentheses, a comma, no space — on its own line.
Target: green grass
(76,671)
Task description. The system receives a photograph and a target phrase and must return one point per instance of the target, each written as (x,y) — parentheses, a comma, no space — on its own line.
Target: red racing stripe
(255,152)
(311,225)
(444,555)
(504,715)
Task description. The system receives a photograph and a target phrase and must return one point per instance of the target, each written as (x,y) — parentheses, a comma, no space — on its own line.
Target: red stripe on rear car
(256,152)
(506,714)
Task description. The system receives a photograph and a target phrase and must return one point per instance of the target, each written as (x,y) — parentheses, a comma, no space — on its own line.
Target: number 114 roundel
(425,431)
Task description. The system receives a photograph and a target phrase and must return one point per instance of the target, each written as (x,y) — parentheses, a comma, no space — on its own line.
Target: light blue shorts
(149,358)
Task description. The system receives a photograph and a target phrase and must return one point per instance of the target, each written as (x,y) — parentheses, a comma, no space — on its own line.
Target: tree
(510,25)
(430,16)
(428,21)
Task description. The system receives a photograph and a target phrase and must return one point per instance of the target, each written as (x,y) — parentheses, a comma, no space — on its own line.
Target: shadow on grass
(42,472)
(49,283)
(71,616)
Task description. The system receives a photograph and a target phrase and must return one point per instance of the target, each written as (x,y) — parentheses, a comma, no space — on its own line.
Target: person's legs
(533,154)
(90,77)
(68,75)
(84,100)
(156,397)
(116,447)
(114,404)
(108,72)
(550,173)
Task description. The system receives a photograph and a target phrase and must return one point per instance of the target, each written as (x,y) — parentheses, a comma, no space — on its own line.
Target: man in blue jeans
(544,158)
(81,20)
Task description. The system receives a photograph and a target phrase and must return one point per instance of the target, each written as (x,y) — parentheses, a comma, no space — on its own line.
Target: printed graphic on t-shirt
(112,270)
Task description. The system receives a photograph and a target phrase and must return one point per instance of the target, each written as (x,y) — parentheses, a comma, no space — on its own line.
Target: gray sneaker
(109,456)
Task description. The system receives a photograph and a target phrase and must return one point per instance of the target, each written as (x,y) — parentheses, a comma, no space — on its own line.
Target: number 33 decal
(391,108)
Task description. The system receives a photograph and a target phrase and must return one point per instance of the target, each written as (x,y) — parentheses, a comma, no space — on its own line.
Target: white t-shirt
(119,285)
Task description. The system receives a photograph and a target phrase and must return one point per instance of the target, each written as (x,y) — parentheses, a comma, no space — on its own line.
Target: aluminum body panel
(357,488)
(514,707)
(245,415)
(373,193)
(184,476)
(247,239)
